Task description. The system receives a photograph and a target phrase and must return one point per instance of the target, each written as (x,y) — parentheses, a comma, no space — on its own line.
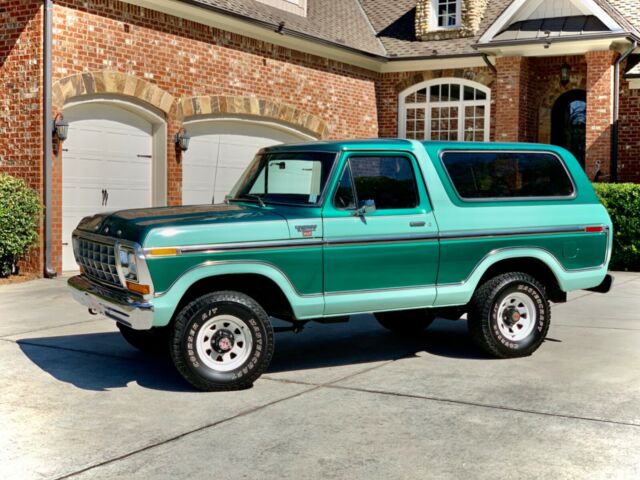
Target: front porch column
(513,113)
(599,113)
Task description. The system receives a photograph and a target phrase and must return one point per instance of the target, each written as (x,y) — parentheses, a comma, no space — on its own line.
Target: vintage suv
(403,229)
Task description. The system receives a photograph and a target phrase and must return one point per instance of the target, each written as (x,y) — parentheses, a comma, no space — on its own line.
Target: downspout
(491,66)
(616,110)
(47,129)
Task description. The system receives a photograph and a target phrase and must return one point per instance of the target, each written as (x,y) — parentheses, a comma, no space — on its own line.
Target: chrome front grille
(98,260)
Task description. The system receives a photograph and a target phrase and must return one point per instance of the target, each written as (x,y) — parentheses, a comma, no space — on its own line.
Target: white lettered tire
(222,341)
(509,315)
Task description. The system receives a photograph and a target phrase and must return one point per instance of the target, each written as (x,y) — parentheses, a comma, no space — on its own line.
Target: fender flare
(303,306)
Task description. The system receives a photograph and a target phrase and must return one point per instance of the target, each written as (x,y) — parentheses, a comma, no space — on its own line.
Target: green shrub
(19,217)
(623,203)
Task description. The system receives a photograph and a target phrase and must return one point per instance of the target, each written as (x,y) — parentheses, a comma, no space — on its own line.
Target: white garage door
(106,166)
(219,152)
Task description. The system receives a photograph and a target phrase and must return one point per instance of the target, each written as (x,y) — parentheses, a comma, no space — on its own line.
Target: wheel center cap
(223,341)
(511,316)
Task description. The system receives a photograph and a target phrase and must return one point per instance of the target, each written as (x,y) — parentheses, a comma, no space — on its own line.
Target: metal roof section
(545,20)
(545,28)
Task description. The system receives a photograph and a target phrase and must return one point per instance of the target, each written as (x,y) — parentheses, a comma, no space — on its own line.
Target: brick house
(236,75)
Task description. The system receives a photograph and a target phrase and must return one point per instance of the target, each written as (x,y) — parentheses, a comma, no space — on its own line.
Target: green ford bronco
(402,229)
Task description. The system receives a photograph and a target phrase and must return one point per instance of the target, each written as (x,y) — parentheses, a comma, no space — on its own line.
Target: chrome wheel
(516,316)
(224,343)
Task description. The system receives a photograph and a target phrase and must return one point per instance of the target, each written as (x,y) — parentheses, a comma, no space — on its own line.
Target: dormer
(299,7)
(444,19)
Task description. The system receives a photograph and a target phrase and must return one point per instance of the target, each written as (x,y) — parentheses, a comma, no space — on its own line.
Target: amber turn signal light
(160,252)
(138,288)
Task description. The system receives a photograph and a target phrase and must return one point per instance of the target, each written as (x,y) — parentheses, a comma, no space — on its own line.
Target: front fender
(304,306)
(461,293)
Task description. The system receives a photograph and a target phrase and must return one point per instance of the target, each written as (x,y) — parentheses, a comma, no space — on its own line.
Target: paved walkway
(339,401)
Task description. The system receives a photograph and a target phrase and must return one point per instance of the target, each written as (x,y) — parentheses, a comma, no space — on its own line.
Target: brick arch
(548,100)
(482,76)
(112,82)
(254,107)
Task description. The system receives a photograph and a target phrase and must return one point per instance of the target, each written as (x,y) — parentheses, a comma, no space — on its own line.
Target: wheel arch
(537,262)
(266,284)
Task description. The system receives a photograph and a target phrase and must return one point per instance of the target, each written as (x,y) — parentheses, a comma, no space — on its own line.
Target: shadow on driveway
(102,361)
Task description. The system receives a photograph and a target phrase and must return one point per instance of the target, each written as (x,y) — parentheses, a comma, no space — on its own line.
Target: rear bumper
(121,306)
(605,286)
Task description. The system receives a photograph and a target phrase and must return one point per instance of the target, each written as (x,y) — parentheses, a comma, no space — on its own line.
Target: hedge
(19,217)
(622,200)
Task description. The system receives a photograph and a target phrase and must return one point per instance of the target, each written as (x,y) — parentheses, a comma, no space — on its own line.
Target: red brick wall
(20,98)
(599,112)
(188,59)
(514,114)
(629,138)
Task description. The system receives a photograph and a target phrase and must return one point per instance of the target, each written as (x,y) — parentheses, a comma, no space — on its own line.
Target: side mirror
(365,207)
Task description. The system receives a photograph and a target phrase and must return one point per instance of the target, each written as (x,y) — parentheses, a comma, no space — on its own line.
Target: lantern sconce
(60,127)
(181,139)
(565,72)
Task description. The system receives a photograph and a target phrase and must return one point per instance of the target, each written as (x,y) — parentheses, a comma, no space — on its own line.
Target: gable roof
(386,28)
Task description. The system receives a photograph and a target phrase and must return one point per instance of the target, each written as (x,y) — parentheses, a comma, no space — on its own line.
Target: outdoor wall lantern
(182,139)
(565,71)
(60,127)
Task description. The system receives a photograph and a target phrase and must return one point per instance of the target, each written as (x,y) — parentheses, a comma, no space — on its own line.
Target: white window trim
(403,106)
(434,16)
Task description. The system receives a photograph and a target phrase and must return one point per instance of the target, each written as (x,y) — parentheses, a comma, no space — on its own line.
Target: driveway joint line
(2,337)
(184,434)
(482,405)
(75,350)
(215,424)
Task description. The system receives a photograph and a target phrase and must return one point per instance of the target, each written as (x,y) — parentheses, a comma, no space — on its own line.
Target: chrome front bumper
(117,305)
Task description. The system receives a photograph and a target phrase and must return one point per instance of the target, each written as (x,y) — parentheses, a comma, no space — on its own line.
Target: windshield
(291,178)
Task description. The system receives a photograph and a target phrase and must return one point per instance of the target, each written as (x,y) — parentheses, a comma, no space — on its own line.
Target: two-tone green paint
(430,255)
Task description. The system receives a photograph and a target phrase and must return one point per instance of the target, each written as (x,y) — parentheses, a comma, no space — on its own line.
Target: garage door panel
(218,154)
(103,152)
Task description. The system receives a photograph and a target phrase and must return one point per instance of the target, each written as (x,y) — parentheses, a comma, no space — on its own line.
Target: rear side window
(479,175)
(389,181)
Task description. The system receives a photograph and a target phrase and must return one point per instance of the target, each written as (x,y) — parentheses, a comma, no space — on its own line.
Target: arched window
(445,109)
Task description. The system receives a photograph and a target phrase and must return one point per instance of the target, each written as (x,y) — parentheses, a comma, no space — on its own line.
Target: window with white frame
(446,13)
(445,109)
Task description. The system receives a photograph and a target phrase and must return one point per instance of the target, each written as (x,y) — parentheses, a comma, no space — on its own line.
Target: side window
(478,175)
(389,181)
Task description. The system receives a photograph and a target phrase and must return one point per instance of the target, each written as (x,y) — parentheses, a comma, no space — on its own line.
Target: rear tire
(509,315)
(222,341)
(406,322)
(154,341)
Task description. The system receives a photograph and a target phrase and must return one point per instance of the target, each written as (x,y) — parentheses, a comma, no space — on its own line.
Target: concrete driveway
(339,401)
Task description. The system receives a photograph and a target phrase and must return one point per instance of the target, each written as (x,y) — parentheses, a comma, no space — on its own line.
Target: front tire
(406,322)
(222,341)
(509,315)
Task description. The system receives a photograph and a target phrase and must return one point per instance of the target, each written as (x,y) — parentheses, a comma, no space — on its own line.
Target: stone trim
(472,13)
(107,81)
(252,106)
(482,76)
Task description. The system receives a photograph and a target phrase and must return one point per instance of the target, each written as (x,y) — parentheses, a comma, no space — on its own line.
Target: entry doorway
(569,123)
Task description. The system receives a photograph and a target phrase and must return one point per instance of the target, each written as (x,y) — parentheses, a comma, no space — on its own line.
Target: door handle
(417,224)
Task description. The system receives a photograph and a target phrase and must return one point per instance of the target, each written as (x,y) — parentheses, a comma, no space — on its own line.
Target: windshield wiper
(255,197)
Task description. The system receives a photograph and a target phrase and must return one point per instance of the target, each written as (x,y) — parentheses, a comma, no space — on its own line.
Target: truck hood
(190,225)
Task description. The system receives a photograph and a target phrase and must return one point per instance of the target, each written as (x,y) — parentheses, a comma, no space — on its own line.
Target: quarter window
(478,175)
(452,109)
(389,181)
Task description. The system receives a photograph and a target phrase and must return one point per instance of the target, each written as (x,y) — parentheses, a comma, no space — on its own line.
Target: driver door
(382,256)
